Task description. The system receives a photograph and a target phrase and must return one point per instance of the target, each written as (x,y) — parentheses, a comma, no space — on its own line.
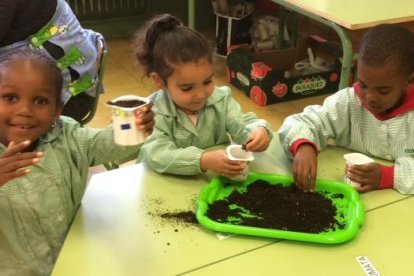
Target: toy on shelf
(264,33)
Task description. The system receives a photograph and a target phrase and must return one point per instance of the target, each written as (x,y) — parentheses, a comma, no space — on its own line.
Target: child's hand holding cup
(123,119)
(236,152)
(355,158)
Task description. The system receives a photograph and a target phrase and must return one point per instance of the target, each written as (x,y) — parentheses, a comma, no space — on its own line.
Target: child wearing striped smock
(374,117)
(191,114)
(44,162)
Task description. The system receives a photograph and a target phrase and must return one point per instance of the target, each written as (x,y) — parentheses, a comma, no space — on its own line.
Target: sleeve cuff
(387,177)
(295,146)
(269,131)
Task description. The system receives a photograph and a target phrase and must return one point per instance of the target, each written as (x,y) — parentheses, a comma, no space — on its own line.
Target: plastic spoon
(231,140)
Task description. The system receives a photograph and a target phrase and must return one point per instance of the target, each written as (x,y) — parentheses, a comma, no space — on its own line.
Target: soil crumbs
(179,219)
(276,207)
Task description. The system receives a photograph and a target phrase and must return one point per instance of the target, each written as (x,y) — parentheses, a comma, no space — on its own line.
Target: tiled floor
(123,76)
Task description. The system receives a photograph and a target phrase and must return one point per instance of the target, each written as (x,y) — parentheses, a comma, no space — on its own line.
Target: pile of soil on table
(178,218)
(276,207)
(181,216)
(126,103)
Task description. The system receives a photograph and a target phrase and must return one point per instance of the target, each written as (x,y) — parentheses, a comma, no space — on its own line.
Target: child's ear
(158,81)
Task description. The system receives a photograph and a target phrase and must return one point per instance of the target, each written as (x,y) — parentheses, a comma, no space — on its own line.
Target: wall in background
(124,27)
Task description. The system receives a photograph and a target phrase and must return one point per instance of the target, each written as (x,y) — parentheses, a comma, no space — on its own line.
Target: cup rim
(366,159)
(129,97)
(250,156)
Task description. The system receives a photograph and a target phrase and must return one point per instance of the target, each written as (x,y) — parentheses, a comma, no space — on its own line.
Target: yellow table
(117,230)
(350,15)
(386,239)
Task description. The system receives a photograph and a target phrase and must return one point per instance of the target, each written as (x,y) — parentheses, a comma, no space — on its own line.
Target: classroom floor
(123,76)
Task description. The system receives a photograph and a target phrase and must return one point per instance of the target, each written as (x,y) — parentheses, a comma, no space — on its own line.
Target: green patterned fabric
(36,210)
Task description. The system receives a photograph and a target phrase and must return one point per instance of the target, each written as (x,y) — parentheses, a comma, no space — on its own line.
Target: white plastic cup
(236,152)
(355,158)
(123,121)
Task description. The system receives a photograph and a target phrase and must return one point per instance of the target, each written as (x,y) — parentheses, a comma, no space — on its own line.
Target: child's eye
(208,81)
(41,101)
(361,85)
(10,98)
(383,91)
(186,88)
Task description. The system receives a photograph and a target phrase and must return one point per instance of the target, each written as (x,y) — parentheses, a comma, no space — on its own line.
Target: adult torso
(22,18)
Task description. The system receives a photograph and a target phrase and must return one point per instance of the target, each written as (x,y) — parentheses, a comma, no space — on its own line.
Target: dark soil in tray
(126,103)
(276,207)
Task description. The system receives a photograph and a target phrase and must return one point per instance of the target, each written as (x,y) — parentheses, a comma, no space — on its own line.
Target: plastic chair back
(101,63)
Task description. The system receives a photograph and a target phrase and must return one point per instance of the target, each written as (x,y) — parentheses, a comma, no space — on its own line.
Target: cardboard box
(231,30)
(264,76)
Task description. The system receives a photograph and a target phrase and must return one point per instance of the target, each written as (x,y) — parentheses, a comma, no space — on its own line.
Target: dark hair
(39,60)
(164,42)
(388,43)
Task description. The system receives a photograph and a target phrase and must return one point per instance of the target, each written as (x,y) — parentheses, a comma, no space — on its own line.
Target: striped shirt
(176,145)
(344,119)
(36,210)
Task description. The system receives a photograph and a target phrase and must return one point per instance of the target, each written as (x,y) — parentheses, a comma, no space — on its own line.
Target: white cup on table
(355,158)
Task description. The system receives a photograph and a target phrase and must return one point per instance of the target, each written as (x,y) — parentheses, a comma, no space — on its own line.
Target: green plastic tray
(350,207)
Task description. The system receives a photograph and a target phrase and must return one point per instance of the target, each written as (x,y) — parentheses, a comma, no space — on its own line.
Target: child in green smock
(44,162)
(191,113)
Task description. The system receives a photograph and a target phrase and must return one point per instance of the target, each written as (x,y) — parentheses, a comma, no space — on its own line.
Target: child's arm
(218,162)
(369,176)
(376,176)
(259,140)
(305,167)
(100,143)
(404,175)
(162,154)
(303,134)
(13,162)
(246,128)
(317,124)
(144,118)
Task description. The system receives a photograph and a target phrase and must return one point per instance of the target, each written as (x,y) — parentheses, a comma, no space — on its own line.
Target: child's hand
(13,161)
(258,140)
(144,119)
(368,175)
(218,162)
(305,167)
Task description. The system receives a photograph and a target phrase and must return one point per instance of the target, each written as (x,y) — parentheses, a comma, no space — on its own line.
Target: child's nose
(202,93)
(371,96)
(25,108)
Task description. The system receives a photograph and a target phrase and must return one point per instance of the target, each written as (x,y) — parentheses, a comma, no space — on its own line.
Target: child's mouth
(23,127)
(375,109)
